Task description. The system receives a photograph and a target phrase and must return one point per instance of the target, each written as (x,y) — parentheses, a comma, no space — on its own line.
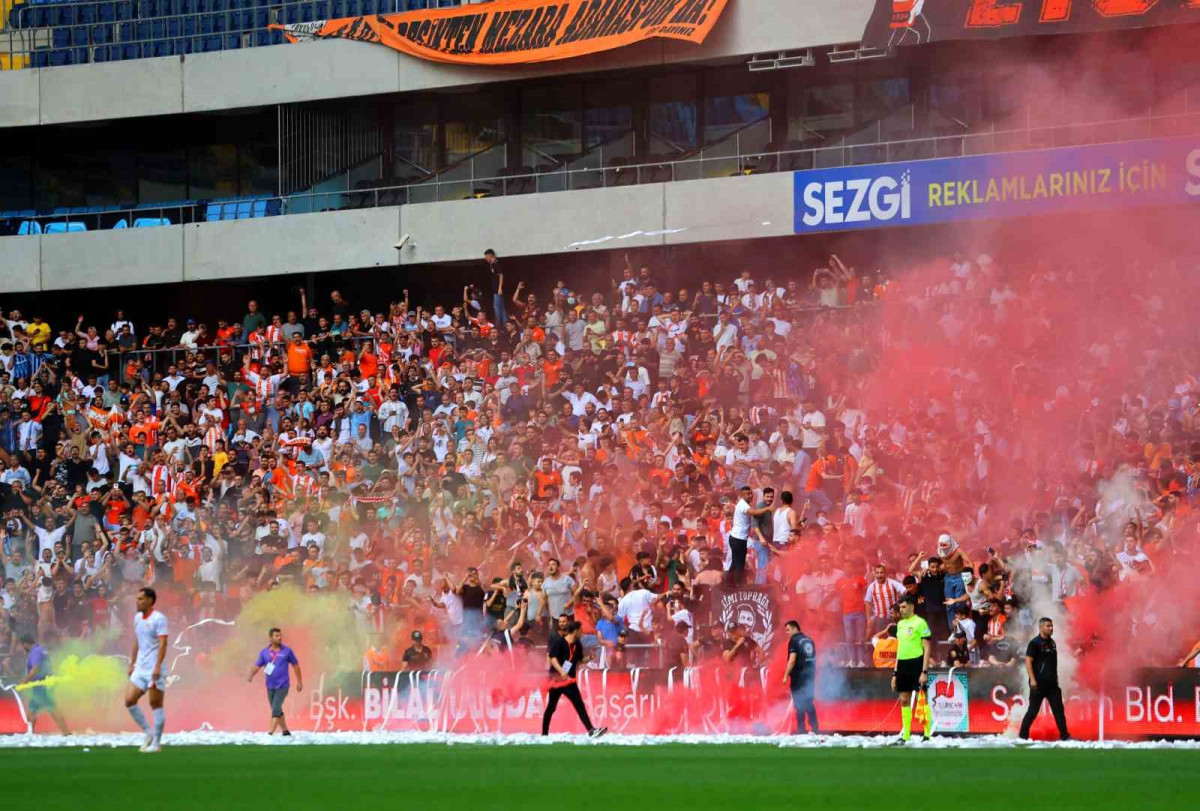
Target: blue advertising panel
(1017,184)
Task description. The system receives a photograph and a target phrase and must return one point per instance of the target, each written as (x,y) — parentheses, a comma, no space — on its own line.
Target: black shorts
(908,675)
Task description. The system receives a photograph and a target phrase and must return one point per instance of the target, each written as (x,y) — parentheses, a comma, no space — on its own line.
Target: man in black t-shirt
(495,286)
(800,676)
(1041,665)
(418,655)
(565,653)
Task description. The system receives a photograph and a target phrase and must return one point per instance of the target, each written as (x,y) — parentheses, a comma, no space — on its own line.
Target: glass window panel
(608,114)
(416,139)
(819,112)
(472,123)
(551,124)
(212,171)
(162,176)
(671,114)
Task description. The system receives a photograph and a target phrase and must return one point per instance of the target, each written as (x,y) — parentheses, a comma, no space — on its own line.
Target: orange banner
(508,32)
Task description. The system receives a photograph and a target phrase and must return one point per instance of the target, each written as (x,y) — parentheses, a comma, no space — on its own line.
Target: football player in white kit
(146,668)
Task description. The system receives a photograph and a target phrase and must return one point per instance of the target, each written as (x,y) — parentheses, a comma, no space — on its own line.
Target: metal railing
(701,165)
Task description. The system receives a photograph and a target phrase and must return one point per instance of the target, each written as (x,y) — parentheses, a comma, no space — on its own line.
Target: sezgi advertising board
(981,187)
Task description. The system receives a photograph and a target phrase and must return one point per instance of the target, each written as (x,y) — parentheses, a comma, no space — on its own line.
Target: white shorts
(141,680)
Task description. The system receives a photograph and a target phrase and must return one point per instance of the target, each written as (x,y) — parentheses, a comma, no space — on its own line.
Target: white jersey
(148,630)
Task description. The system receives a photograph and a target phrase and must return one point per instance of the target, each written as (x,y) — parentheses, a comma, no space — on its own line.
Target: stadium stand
(44,34)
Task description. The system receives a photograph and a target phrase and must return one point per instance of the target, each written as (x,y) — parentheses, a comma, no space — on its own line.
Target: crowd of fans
(470,472)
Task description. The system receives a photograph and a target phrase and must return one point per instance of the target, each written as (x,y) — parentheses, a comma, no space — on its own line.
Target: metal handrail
(659,171)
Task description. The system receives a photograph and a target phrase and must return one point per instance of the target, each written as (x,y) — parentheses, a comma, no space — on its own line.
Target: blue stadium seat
(102,34)
(161,47)
(29,227)
(190,25)
(259,208)
(212,212)
(79,35)
(124,9)
(62,15)
(353,8)
(60,37)
(147,9)
(274,207)
(122,223)
(219,5)
(39,18)
(131,50)
(150,222)
(114,53)
(240,20)
(337,9)
(64,227)
(16,17)
(321,9)
(181,46)
(80,56)
(261,17)
(291,14)
(233,42)
(100,53)
(107,12)
(174,27)
(212,44)
(126,31)
(244,209)
(142,30)
(188,7)
(86,14)
(208,24)
(262,38)
(59,57)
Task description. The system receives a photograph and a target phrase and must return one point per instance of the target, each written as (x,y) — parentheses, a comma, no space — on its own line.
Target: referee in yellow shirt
(912,663)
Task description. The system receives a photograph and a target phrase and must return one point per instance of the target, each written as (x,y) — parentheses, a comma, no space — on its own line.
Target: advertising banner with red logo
(710,700)
(510,32)
(914,22)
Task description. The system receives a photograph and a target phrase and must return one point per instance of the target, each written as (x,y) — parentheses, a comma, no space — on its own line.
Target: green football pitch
(568,776)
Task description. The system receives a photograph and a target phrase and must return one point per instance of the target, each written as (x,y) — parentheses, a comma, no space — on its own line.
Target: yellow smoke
(82,678)
(319,627)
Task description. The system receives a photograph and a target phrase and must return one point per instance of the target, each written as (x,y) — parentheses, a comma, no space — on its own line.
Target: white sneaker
(146,744)
(154,746)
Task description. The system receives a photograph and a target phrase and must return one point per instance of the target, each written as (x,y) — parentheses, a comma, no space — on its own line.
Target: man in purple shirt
(274,660)
(37,668)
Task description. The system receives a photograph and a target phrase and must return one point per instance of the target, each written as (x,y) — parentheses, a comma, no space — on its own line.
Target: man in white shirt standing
(739,535)
(146,673)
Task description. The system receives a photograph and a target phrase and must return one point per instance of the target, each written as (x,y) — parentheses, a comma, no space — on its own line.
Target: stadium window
(608,116)
(472,123)
(672,114)
(212,171)
(162,176)
(818,113)
(416,139)
(551,124)
(16,181)
(737,100)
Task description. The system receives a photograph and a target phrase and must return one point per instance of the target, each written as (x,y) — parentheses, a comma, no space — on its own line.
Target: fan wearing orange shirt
(552,368)
(299,357)
(546,476)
